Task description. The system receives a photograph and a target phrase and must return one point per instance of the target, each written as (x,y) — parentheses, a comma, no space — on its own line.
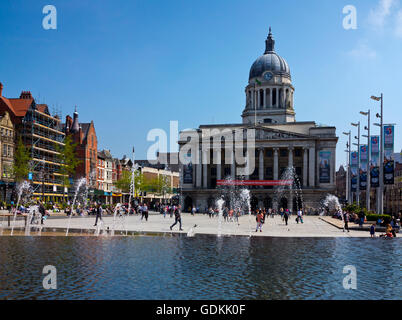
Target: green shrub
(375,217)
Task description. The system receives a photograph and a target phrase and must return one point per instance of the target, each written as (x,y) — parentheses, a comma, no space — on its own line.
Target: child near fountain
(259,221)
(372,230)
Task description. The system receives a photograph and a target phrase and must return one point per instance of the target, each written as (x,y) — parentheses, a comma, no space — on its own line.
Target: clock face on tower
(268,76)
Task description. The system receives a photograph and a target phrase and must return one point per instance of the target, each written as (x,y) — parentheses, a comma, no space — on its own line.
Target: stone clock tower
(269,93)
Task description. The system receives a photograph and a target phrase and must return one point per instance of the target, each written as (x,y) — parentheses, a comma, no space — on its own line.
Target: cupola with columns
(269,93)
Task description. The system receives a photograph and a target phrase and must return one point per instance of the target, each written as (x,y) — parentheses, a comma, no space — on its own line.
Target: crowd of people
(391,228)
(232,215)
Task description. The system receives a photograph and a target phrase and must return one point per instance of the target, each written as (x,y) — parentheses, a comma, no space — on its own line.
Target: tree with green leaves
(140,183)
(68,159)
(22,159)
(123,184)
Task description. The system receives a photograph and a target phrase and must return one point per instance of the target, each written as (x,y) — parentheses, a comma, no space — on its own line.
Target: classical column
(261,164)
(219,164)
(290,157)
(264,104)
(181,176)
(311,175)
(276,164)
(258,98)
(198,169)
(305,167)
(283,98)
(233,164)
(271,98)
(205,168)
(332,168)
(247,166)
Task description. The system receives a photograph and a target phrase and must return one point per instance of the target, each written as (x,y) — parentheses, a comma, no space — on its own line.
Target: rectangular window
(283,152)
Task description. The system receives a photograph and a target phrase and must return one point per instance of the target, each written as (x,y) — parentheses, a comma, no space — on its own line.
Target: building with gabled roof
(84,135)
(43,135)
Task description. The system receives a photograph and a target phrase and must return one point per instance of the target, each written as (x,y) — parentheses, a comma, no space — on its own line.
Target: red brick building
(84,135)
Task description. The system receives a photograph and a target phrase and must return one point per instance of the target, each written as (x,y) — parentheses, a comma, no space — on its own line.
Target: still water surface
(202,267)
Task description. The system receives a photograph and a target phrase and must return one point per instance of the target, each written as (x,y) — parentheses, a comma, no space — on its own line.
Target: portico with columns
(280,142)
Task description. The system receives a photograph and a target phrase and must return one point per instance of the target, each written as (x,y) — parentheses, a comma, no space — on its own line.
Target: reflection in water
(201,267)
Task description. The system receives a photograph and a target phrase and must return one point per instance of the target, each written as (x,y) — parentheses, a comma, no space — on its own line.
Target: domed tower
(269,93)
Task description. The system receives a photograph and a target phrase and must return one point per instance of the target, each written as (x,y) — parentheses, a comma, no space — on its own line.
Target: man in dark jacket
(177,217)
(98,214)
(286,216)
(42,211)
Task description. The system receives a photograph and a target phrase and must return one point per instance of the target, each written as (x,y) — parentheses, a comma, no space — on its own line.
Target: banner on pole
(389,133)
(363,167)
(374,161)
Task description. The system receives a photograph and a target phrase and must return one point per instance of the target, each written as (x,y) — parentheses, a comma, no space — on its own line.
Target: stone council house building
(280,142)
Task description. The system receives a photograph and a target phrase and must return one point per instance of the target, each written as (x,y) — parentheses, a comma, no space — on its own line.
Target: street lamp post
(358,160)
(348,175)
(380,193)
(368,158)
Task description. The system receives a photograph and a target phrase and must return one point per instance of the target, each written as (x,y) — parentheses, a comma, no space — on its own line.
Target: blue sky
(132,66)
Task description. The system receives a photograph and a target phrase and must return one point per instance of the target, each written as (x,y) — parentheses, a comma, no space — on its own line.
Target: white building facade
(280,145)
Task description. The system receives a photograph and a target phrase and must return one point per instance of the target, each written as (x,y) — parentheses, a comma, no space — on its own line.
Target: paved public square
(313,226)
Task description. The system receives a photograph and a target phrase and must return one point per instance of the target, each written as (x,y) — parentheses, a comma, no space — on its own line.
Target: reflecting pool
(200,267)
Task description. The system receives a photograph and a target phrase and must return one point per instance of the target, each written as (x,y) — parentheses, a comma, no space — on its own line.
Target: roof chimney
(26,95)
(1,89)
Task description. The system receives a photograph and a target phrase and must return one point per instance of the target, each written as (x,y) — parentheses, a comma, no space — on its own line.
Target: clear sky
(131,66)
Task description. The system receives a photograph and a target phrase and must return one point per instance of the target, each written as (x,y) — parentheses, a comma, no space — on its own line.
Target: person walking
(286,216)
(98,214)
(210,212)
(42,211)
(281,212)
(299,216)
(145,211)
(259,221)
(237,215)
(177,218)
(193,210)
(225,214)
(346,221)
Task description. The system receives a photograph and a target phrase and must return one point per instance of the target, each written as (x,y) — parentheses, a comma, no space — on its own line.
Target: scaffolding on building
(43,135)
